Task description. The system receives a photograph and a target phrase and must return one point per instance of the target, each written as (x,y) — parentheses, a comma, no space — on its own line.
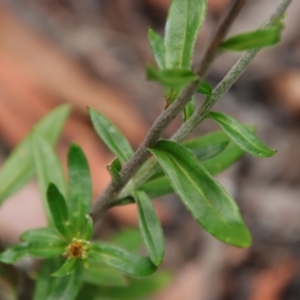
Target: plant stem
(108,196)
(236,71)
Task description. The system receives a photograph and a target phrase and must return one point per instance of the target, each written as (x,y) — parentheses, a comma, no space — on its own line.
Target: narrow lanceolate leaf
(114,168)
(150,227)
(18,169)
(44,283)
(100,274)
(205,88)
(241,135)
(68,287)
(160,186)
(254,39)
(38,250)
(41,235)
(48,168)
(157,47)
(46,249)
(13,254)
(80,188)
(173,78)
(189,110)
(88,229)
(183,23)
(127,263)
(47,164)
(137,289)
(129,239)
(223,160)
(67,268)
(59,211)
(214,150)
(111,136)
(203,196)
(204,152)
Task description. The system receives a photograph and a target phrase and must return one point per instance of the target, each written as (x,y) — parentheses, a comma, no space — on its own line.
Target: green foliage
(255,39)
(98,273)
(111,136)
(77,267)
(18,169)
(173,78)
(59,211)
(205,88)
(67,287)
(80,188)
(150,227)
(48,170)
(203,196)
(158,48)
(69,266)
(114,168)
(137,289)
(214,150)
(127,263)
(189,110)
(183,23)
(241,135)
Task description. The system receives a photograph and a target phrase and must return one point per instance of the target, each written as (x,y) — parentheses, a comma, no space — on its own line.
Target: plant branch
(105,200)
(220,32)
(236,71)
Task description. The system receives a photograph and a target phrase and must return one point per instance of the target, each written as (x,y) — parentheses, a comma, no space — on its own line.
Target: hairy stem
(236,71)
(151,167)
(106,199)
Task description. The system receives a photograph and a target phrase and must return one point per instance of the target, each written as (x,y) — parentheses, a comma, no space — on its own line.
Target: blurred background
(93,53)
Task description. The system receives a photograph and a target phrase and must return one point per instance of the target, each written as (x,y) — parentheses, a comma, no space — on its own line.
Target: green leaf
(241,135)
(130,239)
(68,286)
(215,151)
(45,283)
(141,288)
(205,88)
(67,268)
(160,186)
(158,47)
(80,188)
(18,169)
(41,235)
(111,136)
(38,250)
(157,187)
(203,196)
(150,227)
(173,78)
(90,292)
(205,153)
(14,253)
(59,211)
(183,23)
(114,168)
(253,40)
(127,263)
(189,110)
(100,274)
(48,168)
(88,230)
(46,249)
(224,160)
